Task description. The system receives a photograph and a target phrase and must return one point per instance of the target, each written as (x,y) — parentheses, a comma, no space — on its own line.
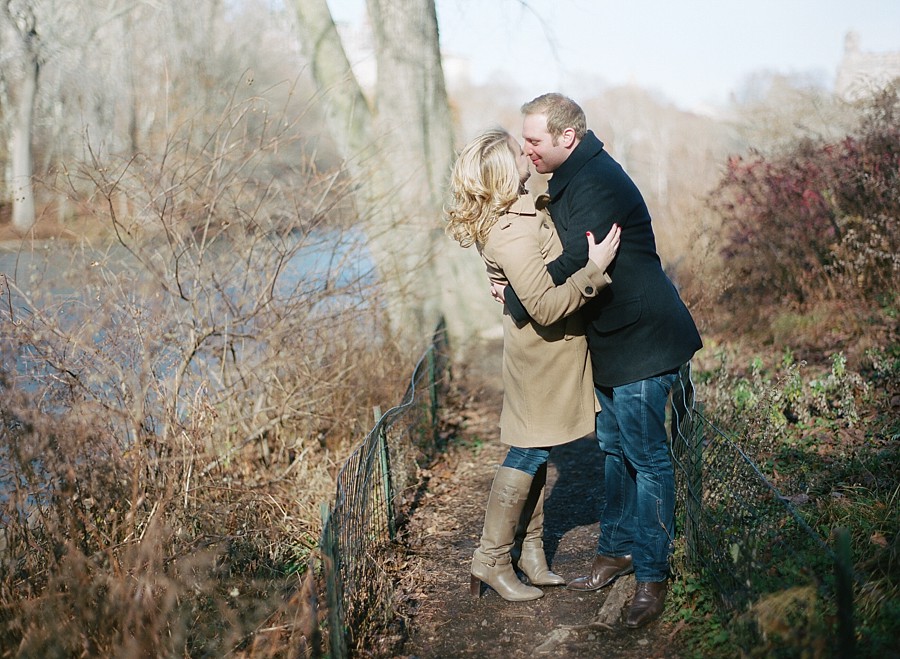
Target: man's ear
(567,139)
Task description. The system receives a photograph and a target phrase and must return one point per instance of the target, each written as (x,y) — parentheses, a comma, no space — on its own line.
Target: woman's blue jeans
(639,515)
(528,460)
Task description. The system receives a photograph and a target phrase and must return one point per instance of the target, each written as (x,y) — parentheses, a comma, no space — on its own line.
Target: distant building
(861,74)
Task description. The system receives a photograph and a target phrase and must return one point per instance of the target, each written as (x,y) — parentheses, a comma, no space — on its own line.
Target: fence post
(385,461)
(435,357)
(687,439)
(844,586)
(334,587)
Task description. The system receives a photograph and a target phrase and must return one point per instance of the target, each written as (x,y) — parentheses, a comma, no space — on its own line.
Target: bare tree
(38,32)
(769,111)
(399,146)
(397,143)
(22,92)
(201,373)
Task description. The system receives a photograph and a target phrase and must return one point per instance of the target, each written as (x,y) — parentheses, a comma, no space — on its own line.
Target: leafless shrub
(176,400)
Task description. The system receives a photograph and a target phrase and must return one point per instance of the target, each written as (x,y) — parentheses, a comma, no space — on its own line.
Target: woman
(548,393)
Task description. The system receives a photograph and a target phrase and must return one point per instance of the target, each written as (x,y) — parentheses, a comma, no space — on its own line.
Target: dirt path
(444,620)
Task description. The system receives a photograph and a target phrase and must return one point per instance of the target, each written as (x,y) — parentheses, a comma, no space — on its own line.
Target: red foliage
(795,226)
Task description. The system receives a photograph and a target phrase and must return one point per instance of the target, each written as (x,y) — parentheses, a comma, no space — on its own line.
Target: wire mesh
(370,494)
(768,567)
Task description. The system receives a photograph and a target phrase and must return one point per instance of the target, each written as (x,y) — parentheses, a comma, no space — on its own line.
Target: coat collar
(589,147)
(524,205)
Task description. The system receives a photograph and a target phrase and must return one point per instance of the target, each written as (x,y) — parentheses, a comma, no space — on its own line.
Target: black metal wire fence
(373,487)
(788,592)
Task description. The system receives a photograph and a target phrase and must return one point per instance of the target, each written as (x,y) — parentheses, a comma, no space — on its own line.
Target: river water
(54,267)
(75,298)
(120,322)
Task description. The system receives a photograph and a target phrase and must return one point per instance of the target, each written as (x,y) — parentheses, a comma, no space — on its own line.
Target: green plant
(695,611)
(826,438)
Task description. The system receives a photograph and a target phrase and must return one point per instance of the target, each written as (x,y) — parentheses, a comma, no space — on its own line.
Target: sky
(694,52)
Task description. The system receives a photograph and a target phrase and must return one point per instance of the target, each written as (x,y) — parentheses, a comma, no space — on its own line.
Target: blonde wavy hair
(484,183)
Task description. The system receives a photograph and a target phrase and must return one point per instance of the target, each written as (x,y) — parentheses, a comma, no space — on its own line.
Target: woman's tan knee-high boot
(532,560)
(492,562)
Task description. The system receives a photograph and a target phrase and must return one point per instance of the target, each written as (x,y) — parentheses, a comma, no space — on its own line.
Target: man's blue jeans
(639,514)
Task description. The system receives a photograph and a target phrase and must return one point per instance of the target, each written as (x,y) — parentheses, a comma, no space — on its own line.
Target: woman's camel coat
(548,392)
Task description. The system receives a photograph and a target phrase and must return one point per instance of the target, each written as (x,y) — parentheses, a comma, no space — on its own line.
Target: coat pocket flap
(618,315)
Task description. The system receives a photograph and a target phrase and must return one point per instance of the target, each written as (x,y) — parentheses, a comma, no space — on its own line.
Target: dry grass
(123,545)
(175,404)
(116,545)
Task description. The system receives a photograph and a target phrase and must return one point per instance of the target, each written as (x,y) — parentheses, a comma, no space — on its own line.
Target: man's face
(546,154)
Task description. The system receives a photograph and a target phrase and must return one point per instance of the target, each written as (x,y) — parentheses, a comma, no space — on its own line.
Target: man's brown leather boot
(604,570)
(648,602)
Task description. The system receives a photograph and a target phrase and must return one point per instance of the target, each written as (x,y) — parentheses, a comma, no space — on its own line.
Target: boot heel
(475,587)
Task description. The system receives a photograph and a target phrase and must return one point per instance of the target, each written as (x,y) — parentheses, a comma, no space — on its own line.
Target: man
(639,333)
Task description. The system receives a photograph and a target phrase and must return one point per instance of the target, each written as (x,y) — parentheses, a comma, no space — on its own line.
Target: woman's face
(522,161)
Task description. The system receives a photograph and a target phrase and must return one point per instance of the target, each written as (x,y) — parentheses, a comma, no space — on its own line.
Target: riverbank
(44,229)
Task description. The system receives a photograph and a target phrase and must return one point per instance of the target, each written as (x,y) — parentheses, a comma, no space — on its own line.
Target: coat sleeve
(517,251)
(514,305)
(584,211)
(587,209)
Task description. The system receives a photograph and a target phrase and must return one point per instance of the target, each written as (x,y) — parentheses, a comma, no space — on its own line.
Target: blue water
(111,309)
(120,323)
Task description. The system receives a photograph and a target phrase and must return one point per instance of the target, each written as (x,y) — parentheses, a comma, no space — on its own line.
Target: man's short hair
(561,112)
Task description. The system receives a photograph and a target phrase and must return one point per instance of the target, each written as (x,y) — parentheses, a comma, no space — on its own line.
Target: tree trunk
(400,148)
(21,155)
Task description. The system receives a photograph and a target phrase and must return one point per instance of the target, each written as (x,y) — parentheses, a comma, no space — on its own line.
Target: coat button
(589,290)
